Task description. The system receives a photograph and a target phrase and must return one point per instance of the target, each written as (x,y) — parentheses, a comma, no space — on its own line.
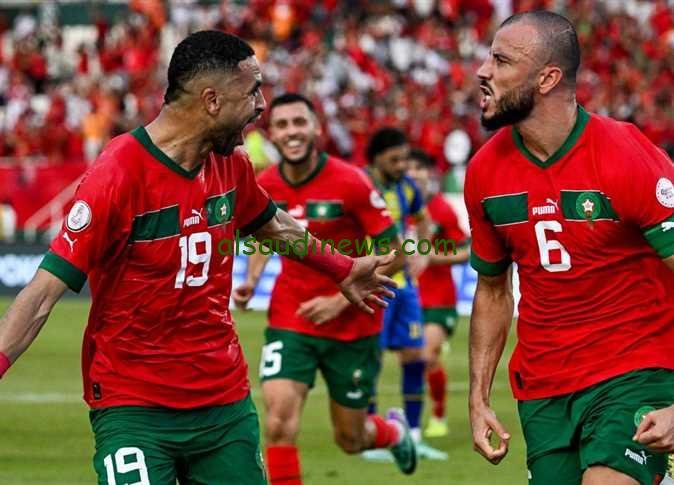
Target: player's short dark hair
(383,139)
(202,52)
(559,39)
(424,158)
(291,98)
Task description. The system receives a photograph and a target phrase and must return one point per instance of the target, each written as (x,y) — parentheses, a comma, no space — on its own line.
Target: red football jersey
(436,284)
(147,232)
(336,202)
(596,297)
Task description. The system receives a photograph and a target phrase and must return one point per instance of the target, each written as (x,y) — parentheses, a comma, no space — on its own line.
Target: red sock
(387,433)
(437,387)
(283,463)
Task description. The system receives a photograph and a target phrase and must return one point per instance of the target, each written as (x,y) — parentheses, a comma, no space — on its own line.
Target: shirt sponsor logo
(542,210)
(79,216)
(641,458)
(664,191)
(196,217)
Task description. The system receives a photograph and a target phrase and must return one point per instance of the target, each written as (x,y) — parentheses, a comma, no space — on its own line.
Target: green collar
(144,139)
(322,159)
(581,121)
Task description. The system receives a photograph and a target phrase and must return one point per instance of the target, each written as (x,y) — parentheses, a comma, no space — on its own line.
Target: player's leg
(287,371)
(551,437)
(350,370)
(435,336)
(224,447)
(385,342)
(130,447)
(409,337)
(599,475)
(611,412)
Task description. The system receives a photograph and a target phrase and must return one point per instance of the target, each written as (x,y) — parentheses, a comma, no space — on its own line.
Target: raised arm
(25,317)
(356,278)
(489,326)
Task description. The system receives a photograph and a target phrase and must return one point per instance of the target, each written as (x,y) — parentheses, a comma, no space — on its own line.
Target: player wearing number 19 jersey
(163,370)
(588,227)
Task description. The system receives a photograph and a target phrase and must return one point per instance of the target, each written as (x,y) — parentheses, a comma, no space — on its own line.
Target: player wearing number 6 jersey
(163,370)
(584,206)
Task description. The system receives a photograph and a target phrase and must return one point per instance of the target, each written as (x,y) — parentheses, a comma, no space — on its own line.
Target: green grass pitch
(45,436)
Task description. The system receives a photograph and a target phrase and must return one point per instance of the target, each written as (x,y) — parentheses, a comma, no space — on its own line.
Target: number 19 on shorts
(126,460)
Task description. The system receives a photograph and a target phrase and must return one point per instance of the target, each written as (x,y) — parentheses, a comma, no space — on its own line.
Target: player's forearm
(295,242)
(25,317)
(458,256)
(489,326)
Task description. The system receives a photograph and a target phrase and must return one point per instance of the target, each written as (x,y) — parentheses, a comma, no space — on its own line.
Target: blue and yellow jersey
(403,199)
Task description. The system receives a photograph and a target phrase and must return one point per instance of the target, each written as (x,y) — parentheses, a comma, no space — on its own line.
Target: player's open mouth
(486,96)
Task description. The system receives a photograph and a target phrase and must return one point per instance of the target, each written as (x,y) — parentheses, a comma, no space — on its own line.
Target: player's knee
(280,429)
(350,441)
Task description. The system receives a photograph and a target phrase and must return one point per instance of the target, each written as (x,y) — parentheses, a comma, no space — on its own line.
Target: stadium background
(75,74)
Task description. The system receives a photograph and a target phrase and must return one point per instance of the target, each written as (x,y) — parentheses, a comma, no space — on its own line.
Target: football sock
(387,433)
(437,387)
(372,406)
(283,463)
(413,391)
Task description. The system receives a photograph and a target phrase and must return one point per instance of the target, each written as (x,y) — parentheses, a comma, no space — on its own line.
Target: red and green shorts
(567,434)
(349,368)
(145,445)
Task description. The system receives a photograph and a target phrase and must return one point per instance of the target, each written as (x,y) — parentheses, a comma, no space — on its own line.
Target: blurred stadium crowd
(409,63)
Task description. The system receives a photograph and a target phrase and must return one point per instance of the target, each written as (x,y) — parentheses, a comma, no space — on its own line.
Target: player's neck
(546,129)
(182,142)
(296,173)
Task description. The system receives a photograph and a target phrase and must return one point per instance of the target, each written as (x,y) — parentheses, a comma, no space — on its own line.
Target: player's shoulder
(349,175)
(117,162)
(269,175)
(493,151)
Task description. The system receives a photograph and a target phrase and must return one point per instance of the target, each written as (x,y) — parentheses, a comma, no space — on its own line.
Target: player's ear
(548,78)
(210,100)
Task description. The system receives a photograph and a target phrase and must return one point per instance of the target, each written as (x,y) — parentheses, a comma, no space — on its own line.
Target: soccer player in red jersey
(164,373)
(311,325)
(449,245)
(584,205)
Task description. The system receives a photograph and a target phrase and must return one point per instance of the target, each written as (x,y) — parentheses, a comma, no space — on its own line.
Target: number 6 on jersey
(546,245)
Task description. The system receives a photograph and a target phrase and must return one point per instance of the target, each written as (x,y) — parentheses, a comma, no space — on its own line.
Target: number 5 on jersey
(546,245)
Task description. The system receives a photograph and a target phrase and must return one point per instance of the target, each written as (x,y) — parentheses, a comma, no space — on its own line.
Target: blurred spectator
(409,63)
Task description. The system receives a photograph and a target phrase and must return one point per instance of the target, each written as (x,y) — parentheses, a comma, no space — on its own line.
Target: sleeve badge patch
(79,216)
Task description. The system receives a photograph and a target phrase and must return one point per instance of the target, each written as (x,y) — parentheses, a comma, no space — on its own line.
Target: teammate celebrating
(163,370)
(584,205)
(311,325)
(388,157)
(436,286)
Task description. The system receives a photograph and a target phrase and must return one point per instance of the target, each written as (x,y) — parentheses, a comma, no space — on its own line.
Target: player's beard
(514,106)
(225,145)
(300,160)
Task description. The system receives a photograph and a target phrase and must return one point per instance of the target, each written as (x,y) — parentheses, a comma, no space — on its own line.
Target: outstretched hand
(365,284)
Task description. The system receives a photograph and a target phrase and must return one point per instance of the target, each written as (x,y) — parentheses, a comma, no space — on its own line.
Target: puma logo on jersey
(70,242)
(666,226)
(195,218)
(542,210)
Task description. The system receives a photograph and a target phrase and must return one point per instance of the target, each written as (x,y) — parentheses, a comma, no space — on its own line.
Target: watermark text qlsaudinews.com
(348,247)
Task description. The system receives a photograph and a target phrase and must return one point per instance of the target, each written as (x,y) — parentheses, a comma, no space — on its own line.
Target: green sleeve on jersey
(661,237)
(487,268)
(389,234)
(264,217)
(64,271)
